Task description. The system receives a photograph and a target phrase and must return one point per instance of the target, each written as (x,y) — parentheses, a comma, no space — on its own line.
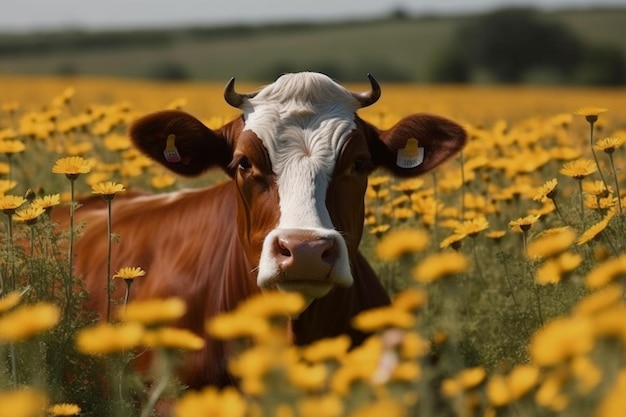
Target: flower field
(507,265)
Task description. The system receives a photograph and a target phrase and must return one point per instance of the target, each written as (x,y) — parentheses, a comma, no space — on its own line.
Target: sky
(26,15)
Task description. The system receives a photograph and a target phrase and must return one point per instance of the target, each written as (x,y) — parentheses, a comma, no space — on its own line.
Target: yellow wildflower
(408,371)
(107,189)
(599,300)
(549,392)
(382,407)
(27,321)
(496,235)
(586,372)
(272,303)
(410,299)
(327,349)
(453,240)
(252,365)
(440,265)
(409,186)
(609,144)
(6,185)
(593,231)
(398,243)
(590,113)
(596,188)
(72,166)
(380,230)
(151,311)
(472,227)
(561,339)
(163,180)
(550,244)
(546,191)
(235,325)
(504,389)
(413,346)
(579,168)
(614,401)
(9,301)
(523,224)
(173,338)
(383,317)
(28,215)
(64,409)
(22,402)
(47,202)
(376,182)
(606,272)
(10,147)
(117,142)
(210,401)
(329,405)
(10,203)
(106,338)
(129,273)
(307,377)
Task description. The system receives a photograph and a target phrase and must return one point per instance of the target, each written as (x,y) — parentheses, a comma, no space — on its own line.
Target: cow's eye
(363,165)
(244,163)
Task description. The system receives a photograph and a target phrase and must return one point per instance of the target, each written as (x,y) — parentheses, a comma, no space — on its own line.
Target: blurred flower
(270,304)
(379,230)
(410,299)
(310,377)
(6,185)
(550,395)
(116,142)
(107,338)
(150,311)
(27,321)
(590,113)
(550,244)
(409,186)
(9,301)
(162,181)
(452,240)
(10,147)
(22,402)
(606,272)
(413,346)
(599,300)
(596,188)
(593,231)
(505,389)
(472,227)
(440,265)
(376,182)
(579,169)
(172,338)
(496,235)
(401,242)
(325,349)
(210,401)
(467,378)
(614,401)
(235,325)
(10,203)
(586,372)
(383,317)
(328,405)
(550,272)
(561,339)
(64,409)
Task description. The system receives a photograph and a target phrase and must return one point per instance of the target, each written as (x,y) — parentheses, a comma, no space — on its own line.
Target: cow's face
(300,157)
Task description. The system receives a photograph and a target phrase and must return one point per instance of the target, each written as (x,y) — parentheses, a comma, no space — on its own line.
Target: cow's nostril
(281,246)
(331,254)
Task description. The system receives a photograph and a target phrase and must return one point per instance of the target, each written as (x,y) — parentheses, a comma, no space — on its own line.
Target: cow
(290,217)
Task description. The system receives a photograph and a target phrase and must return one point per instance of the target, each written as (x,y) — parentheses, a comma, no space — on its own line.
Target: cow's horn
(234,98)
(369,97)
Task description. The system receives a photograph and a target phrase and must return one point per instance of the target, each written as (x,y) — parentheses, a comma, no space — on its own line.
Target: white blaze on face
(303,121)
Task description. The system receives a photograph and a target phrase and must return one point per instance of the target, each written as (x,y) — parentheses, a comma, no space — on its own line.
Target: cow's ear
(182,143)
(416,144)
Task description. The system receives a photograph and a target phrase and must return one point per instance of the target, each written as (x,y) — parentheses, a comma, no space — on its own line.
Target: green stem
(108,279)
(619,199)
(68,286)
(515,303)
(10,250)
(582,202)
(462,186)
(595,158)
(157,392)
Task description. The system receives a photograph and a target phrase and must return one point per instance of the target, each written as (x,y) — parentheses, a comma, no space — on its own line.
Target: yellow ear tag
(171,153)
(411,156)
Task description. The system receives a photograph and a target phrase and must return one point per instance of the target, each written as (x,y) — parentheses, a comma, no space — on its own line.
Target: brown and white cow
(291,217)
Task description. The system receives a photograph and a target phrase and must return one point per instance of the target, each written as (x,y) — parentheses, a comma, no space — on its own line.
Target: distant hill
(395,48)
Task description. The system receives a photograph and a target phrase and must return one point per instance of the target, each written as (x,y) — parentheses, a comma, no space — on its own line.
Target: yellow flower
(414,346)
(6,185)
(129,273)
(383,407)
(380,230)
(27,321)
(377,182)
(593,231)
(550,272)
(398,243)
(211,402)
(107,189)
(252,365)
(47,202)
(172,338)
(599,300)
(10,203)
(440,265)
(116,142)
(587,374)
(596,189)
(410,299)
(307,377)
(360,364)
(609,144)
(10,147)
(550,244)
(523,224)
(467,378)
(406,371)
(106,338)
(452,240)
(22,402)
(402,214)
(28,215)
(590,113)
(235,325)
(562,339)
(614,401)
(327,349)
(64,409)
(547,190)
(383,317)
(72,166)
(579,168)
(162,181)
(9,301)
(328,405)
(549,392)
(504,389)
(606,272)
(472,227)
(409,186)
(273,303)
(496,235)
(151,311)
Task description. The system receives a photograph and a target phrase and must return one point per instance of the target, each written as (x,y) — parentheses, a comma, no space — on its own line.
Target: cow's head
(300,157)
